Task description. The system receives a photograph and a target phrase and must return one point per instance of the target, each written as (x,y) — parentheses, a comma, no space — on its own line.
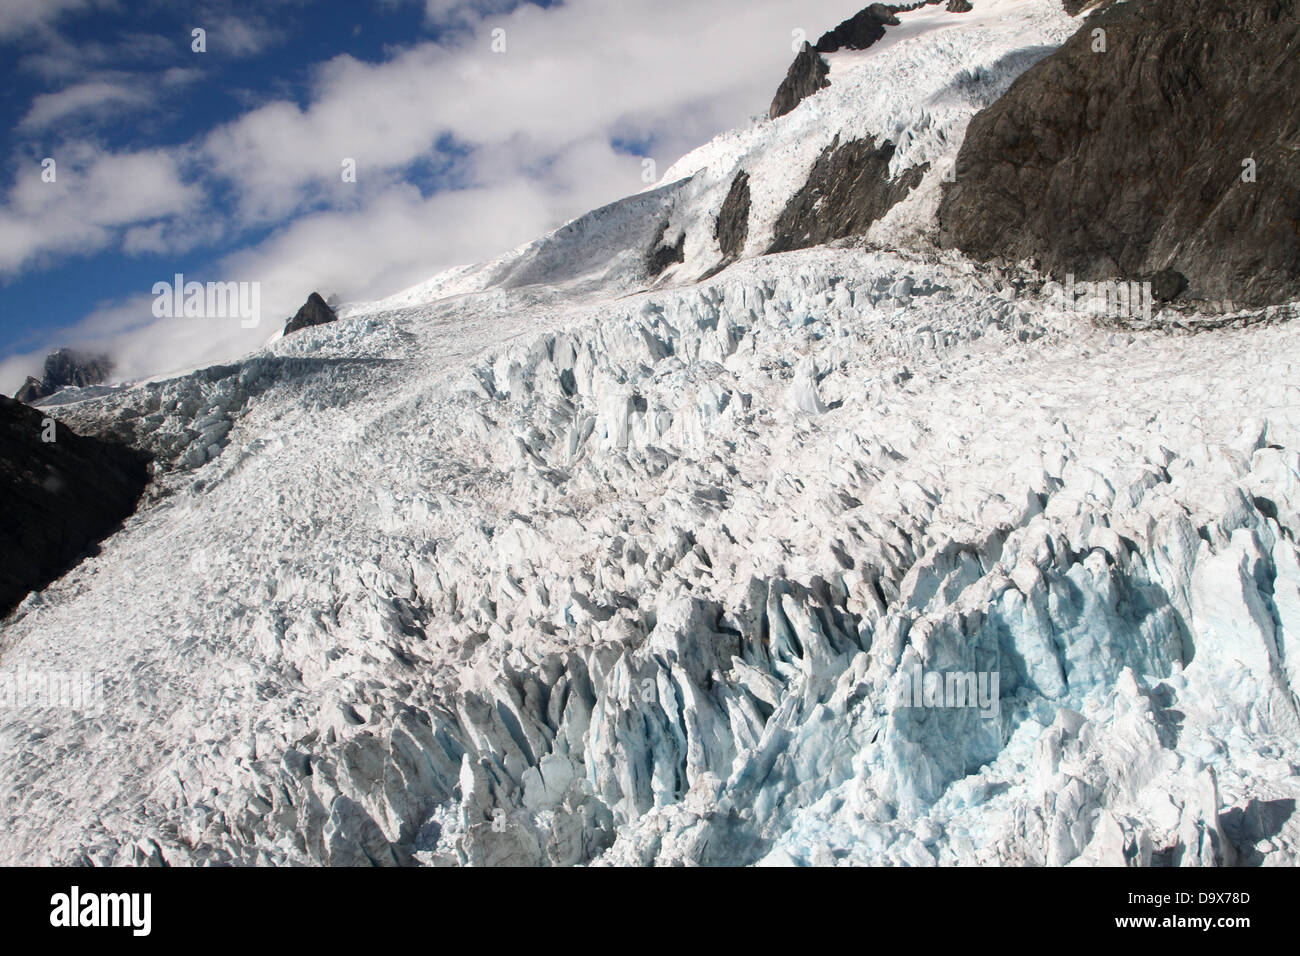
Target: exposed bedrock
(732,228)
(806,76)
(808,73)
(1163,143)
(664,253)
(1075,7)
(860,30)
(848,189)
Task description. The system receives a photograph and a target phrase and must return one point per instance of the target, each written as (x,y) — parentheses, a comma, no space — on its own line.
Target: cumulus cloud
(94,195)
(568,72)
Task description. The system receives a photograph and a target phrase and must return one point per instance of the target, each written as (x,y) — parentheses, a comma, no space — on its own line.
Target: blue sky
(225,164)
(135,62)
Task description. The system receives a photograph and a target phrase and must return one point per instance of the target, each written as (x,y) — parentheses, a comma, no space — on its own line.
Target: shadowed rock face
(848,189)
(733,220)
(314,312)
(807,75)
(60,497)
(64,368)
(1129,163)
(959,6)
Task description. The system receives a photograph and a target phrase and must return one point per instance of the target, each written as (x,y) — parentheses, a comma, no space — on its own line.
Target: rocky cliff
(807,75)
(62,493)
(1161,138)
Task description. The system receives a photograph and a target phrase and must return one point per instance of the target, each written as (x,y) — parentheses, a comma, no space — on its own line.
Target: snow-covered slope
(917,88)
(526,565)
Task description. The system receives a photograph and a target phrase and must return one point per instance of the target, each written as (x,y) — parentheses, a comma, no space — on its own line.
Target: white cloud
(21,16)
(239,36)
(15,369)
(399,238)
(94,196)
(567,73)
(462,12)
(56,57)
(99,96)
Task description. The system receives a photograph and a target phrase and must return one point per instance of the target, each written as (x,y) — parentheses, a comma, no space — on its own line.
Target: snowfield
(530,566)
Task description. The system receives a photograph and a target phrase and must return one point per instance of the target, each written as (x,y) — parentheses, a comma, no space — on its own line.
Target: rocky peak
(808,73)
(860,30)
(1189,175)
(30,391)
(806,76)
(315,311)
(66,368)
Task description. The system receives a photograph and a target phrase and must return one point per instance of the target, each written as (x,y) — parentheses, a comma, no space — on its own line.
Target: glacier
(548,562)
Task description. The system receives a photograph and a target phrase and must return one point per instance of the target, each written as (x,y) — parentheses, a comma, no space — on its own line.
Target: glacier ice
(533,565)
(636,581)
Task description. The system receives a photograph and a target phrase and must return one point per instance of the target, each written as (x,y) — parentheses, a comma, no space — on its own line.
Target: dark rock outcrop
(806,76)
(30,392)
(663,254)
(1137,161)
(732,228)
(959,6)
(1167,284)
(313,312)
(848,189)
(809,72)
(66,368)
(60,497)
(860,30)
